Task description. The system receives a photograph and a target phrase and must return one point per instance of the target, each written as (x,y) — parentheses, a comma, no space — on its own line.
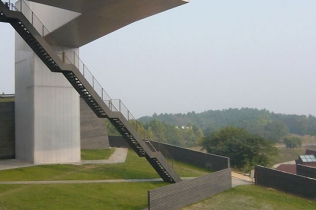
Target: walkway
(239,179)
(119,156)
(12,164)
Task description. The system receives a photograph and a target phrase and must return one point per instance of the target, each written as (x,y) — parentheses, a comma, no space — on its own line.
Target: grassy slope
(133,168)
(100,154)
(84,196)
(252,197)
(110,196)
(6,99)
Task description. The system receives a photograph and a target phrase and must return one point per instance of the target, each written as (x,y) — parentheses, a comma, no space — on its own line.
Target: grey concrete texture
(92,129)
(306,171)
(187,192)
(93,132)
(200,159)
(286,182)
(118,156)
(13,164)
(7,135)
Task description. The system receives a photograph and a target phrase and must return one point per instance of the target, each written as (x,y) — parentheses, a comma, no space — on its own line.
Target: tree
(275,130)
(244,149)
(292,142)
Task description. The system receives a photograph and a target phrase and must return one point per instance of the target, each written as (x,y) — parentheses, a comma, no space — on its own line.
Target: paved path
(239,179)
(82,181)
(119,156)
(87,181)
(12,164)
(289,163)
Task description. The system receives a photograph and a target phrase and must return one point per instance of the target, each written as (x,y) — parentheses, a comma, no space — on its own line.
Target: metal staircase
(38,38)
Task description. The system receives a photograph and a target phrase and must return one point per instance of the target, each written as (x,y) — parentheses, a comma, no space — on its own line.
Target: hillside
(262,122)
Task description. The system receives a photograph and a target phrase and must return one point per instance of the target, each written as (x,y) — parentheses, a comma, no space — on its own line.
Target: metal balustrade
(84,82)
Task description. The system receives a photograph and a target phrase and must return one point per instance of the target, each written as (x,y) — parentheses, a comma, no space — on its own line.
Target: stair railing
(68,57)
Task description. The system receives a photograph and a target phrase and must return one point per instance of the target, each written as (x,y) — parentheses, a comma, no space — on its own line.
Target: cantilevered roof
(101,17)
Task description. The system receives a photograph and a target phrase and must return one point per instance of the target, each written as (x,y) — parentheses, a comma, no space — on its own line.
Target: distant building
(307,160)
(289,168)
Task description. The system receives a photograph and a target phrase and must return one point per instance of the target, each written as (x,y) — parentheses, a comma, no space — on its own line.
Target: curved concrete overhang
(98,18)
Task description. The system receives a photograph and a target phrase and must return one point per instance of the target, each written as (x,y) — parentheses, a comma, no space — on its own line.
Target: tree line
(264,123)
(184,136)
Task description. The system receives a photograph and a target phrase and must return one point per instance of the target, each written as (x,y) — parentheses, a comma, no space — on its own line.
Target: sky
(204,55)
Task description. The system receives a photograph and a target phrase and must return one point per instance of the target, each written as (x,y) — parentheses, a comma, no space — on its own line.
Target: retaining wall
(200,159)
(286,182)
(7,135)
(118,141)
(190,191)
(93,134)
(92,130)
(306,171)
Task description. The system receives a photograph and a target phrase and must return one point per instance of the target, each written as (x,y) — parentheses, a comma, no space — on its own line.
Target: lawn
(85,196)
(109,196)
(6,99)
(134,168)
(253,197)
(88,154)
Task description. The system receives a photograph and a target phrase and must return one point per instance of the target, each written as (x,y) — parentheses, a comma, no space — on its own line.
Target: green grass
(109,196)
(84,196)
(6,99)
(253,197)
(134,168)
(96,154)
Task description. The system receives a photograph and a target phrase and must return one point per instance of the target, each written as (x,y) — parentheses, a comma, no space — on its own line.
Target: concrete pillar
(47,106)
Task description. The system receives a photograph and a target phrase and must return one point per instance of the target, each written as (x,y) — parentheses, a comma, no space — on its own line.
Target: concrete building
(47,110)
(93,134)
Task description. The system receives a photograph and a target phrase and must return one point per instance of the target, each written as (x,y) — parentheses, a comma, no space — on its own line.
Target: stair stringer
(38,44)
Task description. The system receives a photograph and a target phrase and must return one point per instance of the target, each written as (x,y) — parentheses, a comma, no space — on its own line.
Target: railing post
(93,82)
(64,56)
(83,69)
(136,126)
(102,93)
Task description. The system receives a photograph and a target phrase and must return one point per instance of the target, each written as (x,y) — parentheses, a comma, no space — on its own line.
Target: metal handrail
(68,57)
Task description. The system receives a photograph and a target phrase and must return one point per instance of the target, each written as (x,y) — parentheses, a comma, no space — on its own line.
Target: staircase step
(94,103)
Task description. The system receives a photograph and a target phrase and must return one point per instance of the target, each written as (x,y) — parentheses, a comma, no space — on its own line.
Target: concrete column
(47,106)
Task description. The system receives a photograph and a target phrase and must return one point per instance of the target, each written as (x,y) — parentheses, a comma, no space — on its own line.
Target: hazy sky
(208,54)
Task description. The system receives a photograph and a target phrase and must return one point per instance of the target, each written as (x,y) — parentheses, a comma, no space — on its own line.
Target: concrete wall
(7,143)
(286,182)
(47,107)
(200,159)
(118,141)
(306,171)
(92,129)
(187,192)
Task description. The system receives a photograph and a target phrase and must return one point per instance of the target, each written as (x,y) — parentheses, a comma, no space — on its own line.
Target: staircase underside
(43,50)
